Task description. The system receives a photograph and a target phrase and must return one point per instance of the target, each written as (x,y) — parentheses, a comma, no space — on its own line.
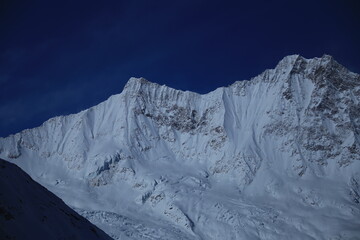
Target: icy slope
(271,158)
(29,211)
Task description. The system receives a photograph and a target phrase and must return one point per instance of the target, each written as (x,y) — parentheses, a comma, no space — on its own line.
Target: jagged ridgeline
(275,157)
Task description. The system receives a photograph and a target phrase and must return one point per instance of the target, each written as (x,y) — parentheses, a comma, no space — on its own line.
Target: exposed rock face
(221,165)
(30,211)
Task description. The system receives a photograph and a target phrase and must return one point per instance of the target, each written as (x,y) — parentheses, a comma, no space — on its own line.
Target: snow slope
(276,157)
(29,211)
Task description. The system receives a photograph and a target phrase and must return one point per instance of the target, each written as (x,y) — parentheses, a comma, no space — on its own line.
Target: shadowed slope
(30,211)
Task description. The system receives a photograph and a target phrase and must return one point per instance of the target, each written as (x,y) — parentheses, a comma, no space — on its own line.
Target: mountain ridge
(288,135)
(135,83)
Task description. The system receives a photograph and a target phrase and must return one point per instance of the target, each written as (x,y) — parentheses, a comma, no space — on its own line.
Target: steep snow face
(29,211)
(274,157)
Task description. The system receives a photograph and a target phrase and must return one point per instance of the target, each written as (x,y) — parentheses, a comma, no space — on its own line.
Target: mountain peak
(327,57)
(289,61)
(134,81)
(135,84)
(196,162)
(294,60)
(320,69)
(325,61)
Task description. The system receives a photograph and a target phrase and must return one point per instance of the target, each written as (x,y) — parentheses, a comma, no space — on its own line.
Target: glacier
(274,157)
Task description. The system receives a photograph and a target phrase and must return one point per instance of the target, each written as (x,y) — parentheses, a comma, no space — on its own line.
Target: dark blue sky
(60,57)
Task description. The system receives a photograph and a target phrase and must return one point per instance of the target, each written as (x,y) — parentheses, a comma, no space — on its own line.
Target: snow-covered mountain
(276,157)
(29,211)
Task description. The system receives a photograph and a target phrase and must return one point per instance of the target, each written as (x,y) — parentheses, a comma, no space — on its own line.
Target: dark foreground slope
(30,211)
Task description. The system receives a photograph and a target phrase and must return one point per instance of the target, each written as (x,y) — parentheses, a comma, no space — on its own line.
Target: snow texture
(276,157)
(30,211)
